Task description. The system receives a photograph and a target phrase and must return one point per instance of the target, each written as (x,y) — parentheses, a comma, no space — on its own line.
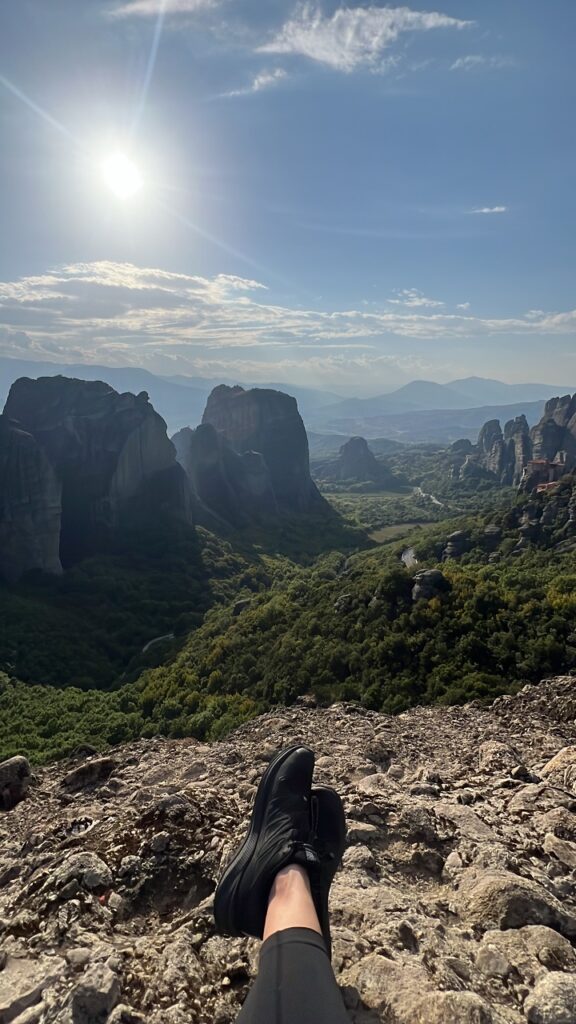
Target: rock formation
(456,900)
(30,505)
(268,422)
(520,456)
(108,452)
(357,463)
(237,488)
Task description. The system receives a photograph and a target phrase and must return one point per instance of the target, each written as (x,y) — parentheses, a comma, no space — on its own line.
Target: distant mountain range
(420,411)
(426,395)
(435,426)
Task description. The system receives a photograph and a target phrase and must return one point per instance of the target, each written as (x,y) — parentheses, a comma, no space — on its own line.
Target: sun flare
(122,176)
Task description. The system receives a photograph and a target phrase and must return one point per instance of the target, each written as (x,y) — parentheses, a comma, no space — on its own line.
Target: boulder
(500,899)
(561,769)
(86,867)
(553,1000)
(429,583)
(15,777)
(94,996)
(89,774)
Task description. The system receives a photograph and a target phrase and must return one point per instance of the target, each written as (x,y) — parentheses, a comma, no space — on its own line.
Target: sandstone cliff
(455,904)
(268,422)
(30,505)
(236,488)
(109,452)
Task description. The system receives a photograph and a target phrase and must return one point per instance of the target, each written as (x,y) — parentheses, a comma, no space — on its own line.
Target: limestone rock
(503,900)
(86,867)
(452,908)
(89,773)
(22,981)
(14,781)
(268,422)
(94,996)
(561,769)
(553,1000)
(30,505)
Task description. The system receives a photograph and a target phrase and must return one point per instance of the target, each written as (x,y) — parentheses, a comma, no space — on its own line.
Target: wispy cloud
(152,8)
(118,312)
(411,298)
(263,80)
(352,37)
(490,209)
(479,62)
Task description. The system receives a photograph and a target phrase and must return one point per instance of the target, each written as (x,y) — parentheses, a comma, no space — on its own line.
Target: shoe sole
(227,888)
(328,794)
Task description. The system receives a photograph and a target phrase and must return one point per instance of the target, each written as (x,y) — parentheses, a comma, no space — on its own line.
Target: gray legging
(295,983)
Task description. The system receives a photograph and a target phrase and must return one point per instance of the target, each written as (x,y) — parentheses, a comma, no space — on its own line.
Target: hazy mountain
(483,391)
(426,395)
(438,426)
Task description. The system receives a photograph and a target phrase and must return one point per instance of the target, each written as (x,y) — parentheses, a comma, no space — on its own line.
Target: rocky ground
(456,901)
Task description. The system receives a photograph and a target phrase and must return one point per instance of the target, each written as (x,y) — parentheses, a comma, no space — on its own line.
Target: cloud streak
(352,37)
(478,62)
(123,313)
(263,80)
(490,209)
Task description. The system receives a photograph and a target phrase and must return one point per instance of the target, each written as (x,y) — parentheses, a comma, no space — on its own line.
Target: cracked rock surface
(456,900)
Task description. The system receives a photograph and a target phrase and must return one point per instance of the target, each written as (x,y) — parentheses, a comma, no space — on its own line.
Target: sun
(122,175)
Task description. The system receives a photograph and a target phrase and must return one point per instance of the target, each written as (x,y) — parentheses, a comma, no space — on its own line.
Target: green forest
(257,619)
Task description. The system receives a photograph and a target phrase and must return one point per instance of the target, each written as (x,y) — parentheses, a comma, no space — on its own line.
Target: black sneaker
(329,825)
(280,833)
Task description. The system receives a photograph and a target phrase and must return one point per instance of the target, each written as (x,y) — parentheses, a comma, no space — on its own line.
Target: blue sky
(349,197)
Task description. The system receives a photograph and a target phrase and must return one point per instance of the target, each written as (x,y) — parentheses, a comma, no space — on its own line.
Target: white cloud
(263,80)
(490,209)
(152,8)
(463,305)
(477,62)
(411,298)
(352,37)
(120,313)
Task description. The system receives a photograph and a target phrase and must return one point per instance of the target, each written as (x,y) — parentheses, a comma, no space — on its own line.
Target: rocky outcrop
(356,463)
(519,456)
(108,453)
(30,505)
(236,488)
(429,583)
(14,781)
(456,900)
(268,422)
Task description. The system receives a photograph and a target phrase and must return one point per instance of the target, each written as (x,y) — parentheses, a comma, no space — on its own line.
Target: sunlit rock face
(557,429)
(109,453)
(30,505)
(268,422)
(236,488)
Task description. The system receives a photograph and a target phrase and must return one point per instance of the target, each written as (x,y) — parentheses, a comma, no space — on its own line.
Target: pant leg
(295,983)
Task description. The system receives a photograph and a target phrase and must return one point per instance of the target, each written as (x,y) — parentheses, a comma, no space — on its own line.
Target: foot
(280,833)
(329,825)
